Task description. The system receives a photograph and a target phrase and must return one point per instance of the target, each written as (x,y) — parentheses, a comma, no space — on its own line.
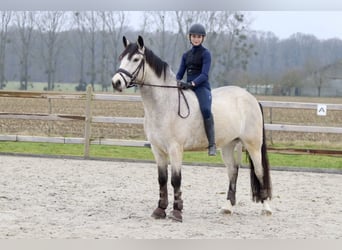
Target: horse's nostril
(115,83)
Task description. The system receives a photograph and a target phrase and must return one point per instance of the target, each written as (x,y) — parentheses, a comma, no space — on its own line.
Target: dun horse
(173,124)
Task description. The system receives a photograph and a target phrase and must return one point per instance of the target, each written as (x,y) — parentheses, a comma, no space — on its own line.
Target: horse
(173,124)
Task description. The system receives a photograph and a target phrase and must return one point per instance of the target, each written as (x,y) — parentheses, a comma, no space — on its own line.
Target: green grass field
(39,86)
(140,153)
(60,87)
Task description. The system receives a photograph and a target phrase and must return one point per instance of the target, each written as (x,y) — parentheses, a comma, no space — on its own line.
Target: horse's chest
(159,130)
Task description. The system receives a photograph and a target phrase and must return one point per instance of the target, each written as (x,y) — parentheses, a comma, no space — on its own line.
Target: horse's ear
(141,42)
(125,41)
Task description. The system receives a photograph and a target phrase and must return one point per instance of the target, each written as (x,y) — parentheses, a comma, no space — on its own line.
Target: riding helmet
(197,29)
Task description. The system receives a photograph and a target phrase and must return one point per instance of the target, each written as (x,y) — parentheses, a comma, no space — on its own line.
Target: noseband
(133,76)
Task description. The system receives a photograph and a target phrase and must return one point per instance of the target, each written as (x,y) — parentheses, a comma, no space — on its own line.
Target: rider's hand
(186,85)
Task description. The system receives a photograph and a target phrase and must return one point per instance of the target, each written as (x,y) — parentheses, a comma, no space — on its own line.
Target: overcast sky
(322,24)
(322,18)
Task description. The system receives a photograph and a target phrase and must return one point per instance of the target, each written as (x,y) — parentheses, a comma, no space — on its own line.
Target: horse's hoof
(159,213)
(176,215)
(227,208)
(266,212)
(226,211)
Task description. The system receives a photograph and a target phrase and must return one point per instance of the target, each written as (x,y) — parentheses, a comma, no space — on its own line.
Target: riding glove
(185,85)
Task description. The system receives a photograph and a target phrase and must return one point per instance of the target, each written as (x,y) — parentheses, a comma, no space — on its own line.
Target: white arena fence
(90,96)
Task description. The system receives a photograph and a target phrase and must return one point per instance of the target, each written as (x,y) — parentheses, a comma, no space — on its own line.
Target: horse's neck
(159,99)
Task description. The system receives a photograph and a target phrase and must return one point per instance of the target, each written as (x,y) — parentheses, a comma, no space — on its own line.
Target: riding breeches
(204,99)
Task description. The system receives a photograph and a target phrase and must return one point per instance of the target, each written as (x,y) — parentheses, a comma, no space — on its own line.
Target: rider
(196,62)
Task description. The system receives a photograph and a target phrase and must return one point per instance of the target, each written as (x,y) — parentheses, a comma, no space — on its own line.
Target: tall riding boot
(210,132)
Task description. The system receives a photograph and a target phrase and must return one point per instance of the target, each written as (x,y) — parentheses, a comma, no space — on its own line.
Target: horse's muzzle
(116,83)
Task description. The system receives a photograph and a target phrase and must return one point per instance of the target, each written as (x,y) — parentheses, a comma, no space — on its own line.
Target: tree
(53,48)
(159,19)
(25,24)
(92,23)
(233,36)
(226,39)
(291,81)
(184,20)
(50,24)
(146,23)
(104,56)
(114,25)
(5,19)
(79,50)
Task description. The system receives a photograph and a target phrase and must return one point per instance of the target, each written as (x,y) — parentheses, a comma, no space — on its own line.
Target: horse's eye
(135,59)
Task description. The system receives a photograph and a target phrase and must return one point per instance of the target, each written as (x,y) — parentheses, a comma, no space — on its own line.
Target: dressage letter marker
(321,109)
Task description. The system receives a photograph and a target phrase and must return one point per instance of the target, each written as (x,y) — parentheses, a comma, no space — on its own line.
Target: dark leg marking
(176,213)
(232,186)
(159,212)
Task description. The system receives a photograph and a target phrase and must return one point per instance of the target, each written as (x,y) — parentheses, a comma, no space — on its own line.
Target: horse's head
(132,66)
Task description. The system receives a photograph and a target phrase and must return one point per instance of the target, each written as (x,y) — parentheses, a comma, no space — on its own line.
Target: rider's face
(196,39)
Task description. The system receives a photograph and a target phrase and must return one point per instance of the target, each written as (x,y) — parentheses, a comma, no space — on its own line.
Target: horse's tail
(261,193)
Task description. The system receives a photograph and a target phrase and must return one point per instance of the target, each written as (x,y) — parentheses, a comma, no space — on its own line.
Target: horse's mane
(155,62)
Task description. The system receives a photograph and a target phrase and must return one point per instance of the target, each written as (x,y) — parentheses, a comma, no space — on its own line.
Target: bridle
(133,76)
(132,83)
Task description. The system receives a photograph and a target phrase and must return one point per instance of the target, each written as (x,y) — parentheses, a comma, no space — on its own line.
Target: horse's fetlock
(178,205)
(263,194)
(163,204)
(231,197)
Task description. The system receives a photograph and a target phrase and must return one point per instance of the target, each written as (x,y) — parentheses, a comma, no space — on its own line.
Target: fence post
(271,121)
(87,121)
(50,112)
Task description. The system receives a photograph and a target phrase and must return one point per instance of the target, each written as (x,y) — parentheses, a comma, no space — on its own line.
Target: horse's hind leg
(260,177)
(161,159)
(227,153)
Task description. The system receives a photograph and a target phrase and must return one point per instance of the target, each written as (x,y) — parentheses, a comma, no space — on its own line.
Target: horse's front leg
(176,155)
(159,212)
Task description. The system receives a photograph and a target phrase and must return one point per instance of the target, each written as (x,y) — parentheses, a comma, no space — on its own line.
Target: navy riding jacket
(196,62)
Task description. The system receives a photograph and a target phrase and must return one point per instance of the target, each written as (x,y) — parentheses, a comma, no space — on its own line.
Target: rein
(142,83)
(180,94)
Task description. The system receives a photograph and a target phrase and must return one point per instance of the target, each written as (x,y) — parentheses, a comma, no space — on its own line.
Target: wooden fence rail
(88,118)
